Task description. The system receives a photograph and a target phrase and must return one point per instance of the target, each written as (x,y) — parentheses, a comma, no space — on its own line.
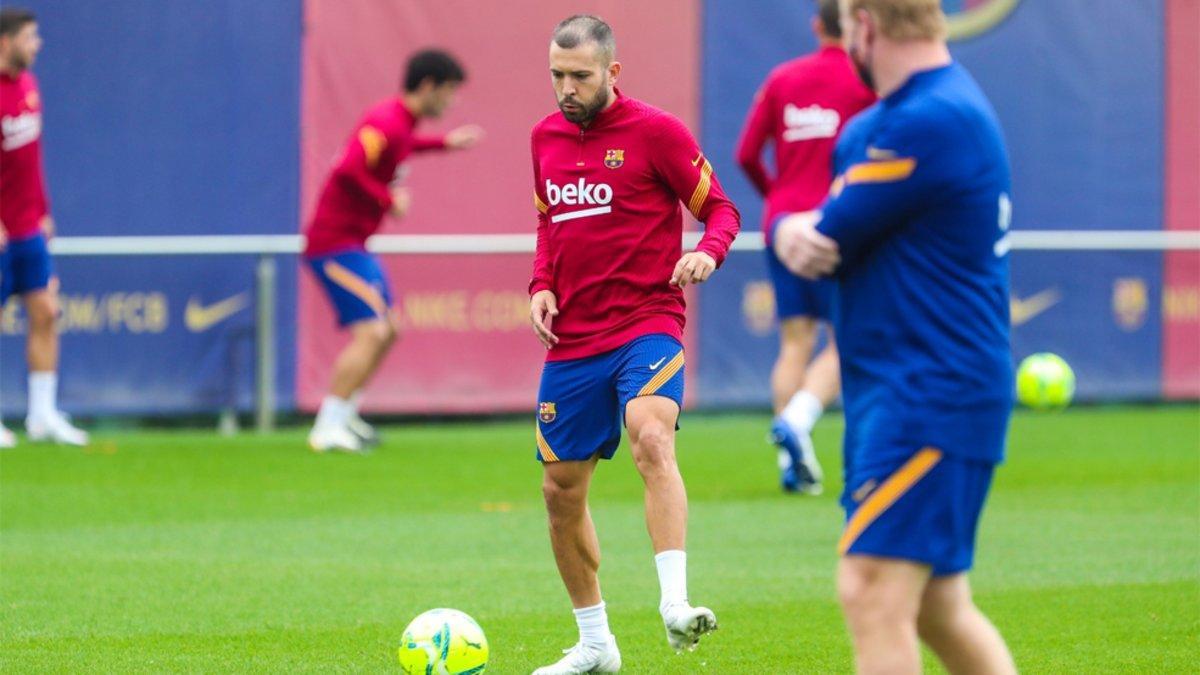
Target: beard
(862,68)
(586,111)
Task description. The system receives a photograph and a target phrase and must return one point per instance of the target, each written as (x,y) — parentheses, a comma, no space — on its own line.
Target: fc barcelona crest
(546,412)
(613,159)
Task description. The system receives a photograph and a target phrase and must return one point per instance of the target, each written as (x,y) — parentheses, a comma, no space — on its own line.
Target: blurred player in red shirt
(800,110)
(26,226)
(607,303)
(363,187)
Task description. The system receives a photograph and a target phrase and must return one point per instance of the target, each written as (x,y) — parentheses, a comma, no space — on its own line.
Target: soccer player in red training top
(801,109)
(362,188)
(607,302)
(25,264)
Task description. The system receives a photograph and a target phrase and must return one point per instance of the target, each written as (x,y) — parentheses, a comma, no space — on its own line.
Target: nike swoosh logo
(1024,311)
(660,362)
(199,318)
(696,162)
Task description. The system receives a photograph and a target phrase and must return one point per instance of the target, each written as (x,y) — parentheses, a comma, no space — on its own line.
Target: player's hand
(693,268)
(401,201)
(47,226)
(803,250)
(464,137)
(543,307)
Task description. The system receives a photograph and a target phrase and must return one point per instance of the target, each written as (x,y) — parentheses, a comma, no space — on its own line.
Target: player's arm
(543,303)
(356,169)
(871,197)
(459,138)
(755,135)
(683,165)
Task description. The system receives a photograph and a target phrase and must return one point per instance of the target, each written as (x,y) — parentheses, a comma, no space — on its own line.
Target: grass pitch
(159,552)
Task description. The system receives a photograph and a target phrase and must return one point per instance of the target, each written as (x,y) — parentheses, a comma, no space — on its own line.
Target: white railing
(267,247)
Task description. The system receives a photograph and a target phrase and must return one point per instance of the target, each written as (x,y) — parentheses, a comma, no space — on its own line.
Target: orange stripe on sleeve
(700,194)
(373,142)
(539,204)
(888,171)
(887,494)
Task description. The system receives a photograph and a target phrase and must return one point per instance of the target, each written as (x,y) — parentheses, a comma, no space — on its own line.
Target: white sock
(355,401)
(43,390)
(333,413)
(803,411)
(593,625)
(672,577)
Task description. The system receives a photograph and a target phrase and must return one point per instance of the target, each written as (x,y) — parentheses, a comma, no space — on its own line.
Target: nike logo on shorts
(658,363)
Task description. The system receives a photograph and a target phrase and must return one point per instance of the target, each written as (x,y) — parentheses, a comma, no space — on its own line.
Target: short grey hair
(574,31)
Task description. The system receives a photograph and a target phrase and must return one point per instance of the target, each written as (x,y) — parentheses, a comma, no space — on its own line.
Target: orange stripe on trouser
(662,378)
(355,285)
(887,494)
(544,447)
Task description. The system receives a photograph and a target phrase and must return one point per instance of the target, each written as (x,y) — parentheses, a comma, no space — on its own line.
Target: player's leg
(356,287)
(800,393)
(797,338)
(7,438)
(881,598)
(33,280)
(355,422)
(576,427)
(961,636)
(650,388)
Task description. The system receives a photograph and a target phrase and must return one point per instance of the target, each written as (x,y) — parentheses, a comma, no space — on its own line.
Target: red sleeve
(680,161)
(543,268)
(754,137)
(426,143)
(356,170)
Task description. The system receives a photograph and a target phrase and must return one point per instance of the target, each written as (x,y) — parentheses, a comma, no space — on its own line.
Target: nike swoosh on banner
(199,318)
(659,363)
(1024,311)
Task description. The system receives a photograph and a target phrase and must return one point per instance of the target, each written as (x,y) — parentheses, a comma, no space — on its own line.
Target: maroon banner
(1181,276)
(466,345)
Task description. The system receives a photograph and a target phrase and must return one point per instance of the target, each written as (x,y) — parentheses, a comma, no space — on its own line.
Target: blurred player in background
(363,187)
(607,303)
(917,234)
(801,109)
(27,225)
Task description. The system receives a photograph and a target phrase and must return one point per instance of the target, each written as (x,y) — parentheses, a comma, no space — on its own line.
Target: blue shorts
(355,284)
(923,507)
(25,266)
(795,296)
(581,402)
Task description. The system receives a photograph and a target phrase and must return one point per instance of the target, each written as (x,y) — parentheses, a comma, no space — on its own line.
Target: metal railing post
(264,333)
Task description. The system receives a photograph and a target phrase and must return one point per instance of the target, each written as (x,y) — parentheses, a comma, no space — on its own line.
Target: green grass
(156,552)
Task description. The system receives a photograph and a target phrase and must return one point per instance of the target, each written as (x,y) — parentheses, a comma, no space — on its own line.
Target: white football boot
(686,624)
(7,438)
(55,427)
(338,438)
(365,432)
(582,659)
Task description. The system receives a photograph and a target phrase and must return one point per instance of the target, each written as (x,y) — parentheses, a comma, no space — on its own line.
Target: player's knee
(43,314)
(866,600)
(942,616)
(654,448)
(562,501)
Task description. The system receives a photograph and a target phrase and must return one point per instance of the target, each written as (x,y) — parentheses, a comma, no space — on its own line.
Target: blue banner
(165,118)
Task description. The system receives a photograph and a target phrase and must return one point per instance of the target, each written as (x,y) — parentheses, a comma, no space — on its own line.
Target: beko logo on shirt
(21,130)
(807,123)
(580,193)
